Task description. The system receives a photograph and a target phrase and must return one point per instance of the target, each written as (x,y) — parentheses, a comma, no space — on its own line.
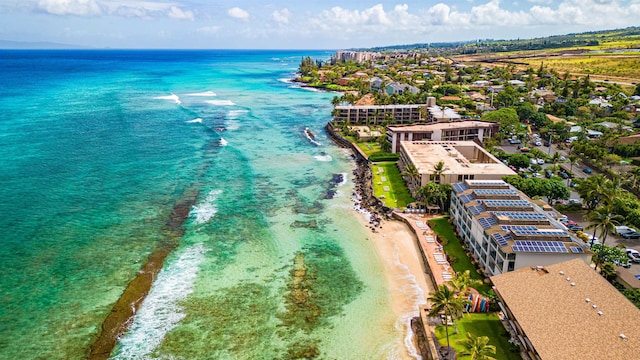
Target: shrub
(383,156)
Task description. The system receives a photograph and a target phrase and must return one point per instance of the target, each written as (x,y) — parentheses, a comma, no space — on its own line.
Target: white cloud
(70,7)
(124,8)
(238,13)
(373,19)
(177,13)
(281,16)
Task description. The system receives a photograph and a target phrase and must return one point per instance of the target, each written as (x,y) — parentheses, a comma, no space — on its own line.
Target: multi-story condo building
(448,131)
(506,231)
(378,114)
(461,159)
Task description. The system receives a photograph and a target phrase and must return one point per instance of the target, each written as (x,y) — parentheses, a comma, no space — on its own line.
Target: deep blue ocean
(96,149)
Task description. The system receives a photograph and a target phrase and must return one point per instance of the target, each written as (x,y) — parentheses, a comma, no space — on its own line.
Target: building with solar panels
(506,231)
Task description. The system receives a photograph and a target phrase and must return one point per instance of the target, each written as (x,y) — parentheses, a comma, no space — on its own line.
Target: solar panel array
(507,203)
(466,198)
(520,227)
(477,209)
(539,232)
(520,215)
(577,249)
(487,222)
(501,239)
(540,246)
(489,182)
(460,187)
(495,191)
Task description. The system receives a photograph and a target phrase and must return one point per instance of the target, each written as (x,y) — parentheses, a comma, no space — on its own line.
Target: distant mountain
(24,45)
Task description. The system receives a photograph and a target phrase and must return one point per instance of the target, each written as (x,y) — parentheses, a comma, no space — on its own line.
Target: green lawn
(479,325)
(453,248)
(368,147)
(398,195)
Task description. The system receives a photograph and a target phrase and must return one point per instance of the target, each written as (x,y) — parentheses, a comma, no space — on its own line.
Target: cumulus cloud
(177,13)
(374,19)
(281,16)
(124,8)
(70,7)
(238,13)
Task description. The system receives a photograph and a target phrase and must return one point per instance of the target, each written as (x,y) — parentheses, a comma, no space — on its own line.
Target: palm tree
(573,160)
(602,218)
(438,170)
(478,347)
(412,173)
(635,176)
(444,300)
(462,283)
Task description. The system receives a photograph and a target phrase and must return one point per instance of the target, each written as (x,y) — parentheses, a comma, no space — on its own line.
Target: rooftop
(459,157)
(568,311)
(442,126)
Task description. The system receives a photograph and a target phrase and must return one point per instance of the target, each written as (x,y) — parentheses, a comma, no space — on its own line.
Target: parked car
(634,255)
(621,229)
(564,175)
(538,143)
(514,141)
(587,170)
(540,161)
(575,227)
(548,173)
(631,235)
(624,264)
(524,149)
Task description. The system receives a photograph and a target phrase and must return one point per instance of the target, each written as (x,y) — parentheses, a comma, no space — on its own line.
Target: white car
(540,161)
(538,143)
(634,255)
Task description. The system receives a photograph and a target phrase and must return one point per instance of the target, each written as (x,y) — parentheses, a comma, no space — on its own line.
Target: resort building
(442,114)
(451,131)
(461,159)
(377,114)
(567,311)
(506,231)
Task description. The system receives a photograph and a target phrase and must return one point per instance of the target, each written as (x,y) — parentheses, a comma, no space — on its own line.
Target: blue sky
(300,24)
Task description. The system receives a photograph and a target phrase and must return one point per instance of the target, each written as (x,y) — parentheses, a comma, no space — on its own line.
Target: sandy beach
(408,284)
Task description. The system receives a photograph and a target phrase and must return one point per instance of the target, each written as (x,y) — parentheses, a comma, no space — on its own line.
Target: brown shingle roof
(559,321)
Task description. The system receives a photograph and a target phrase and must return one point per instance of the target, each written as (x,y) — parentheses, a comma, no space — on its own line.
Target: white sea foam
(160,311)
(232,124)
(323,158)
(196,120)
(207,209)
(206,93)
(223,142)
(287,81)
(233,114)
(414,295)
(220,102)
(172,97)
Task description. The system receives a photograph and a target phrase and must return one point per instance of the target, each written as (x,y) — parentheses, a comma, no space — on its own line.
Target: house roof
(555,309)
(628,140)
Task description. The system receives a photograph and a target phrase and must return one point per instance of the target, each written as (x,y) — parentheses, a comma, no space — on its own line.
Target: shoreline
(396,245)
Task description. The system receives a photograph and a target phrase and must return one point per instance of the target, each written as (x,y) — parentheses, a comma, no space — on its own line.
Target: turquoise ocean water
(97,147)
